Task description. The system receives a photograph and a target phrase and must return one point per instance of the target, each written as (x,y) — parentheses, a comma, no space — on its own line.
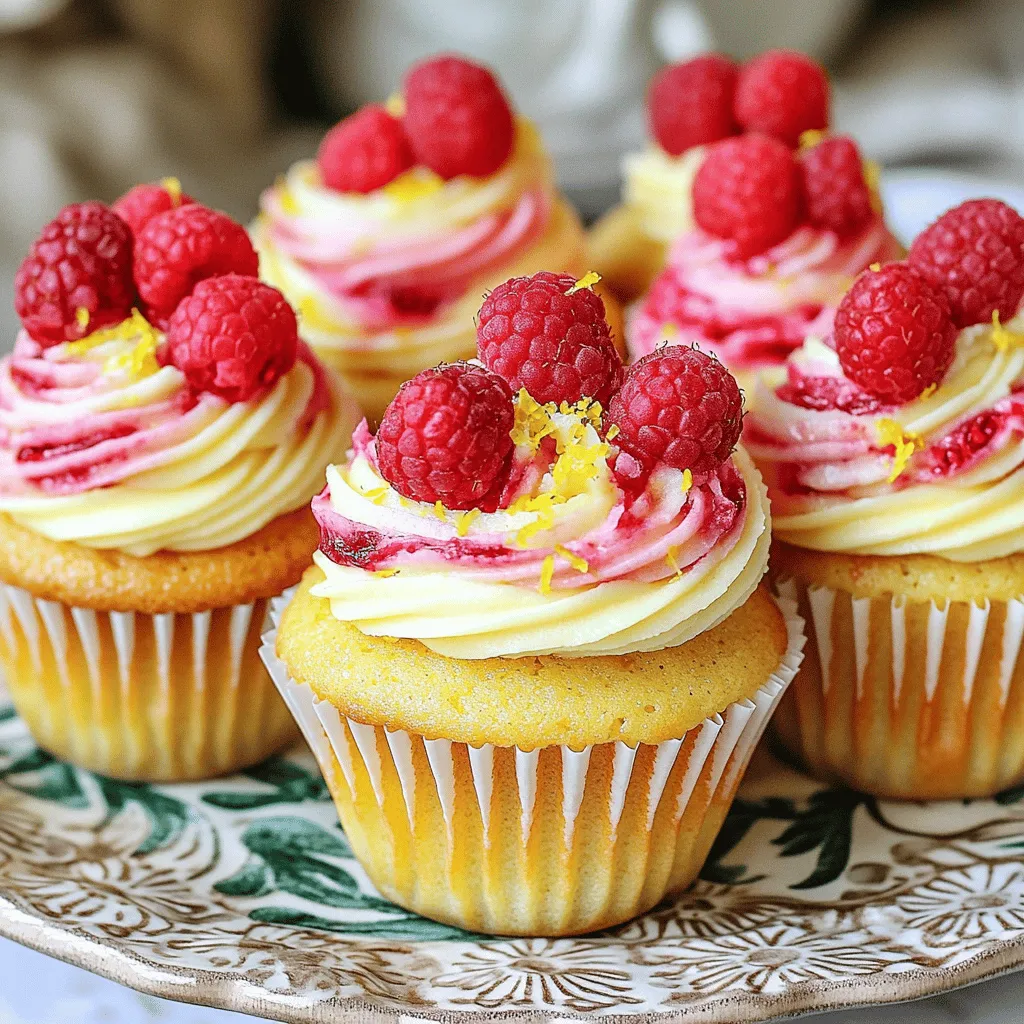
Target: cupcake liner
(165,697)
(549,841)
(909,699)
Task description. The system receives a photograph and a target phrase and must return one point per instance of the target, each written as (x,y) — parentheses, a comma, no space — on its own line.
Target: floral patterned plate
(242,893)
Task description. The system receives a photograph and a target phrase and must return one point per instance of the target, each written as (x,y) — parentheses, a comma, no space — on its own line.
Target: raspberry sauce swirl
(569,564)
(942,474)
(103,446)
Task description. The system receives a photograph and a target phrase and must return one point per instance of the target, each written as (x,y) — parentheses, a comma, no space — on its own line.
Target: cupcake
(386,243)
(690,106)
(534,653)
(779,239)
(893,456)
(162,429)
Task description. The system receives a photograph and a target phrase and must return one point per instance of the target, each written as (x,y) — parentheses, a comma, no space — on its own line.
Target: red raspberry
(445,435)
(893,333)
(178,249)
(233,336)
(457,118)
(82,259)
(748,190)
(975,254)
(139,205)
(558,346)
(691,104)
(783,94)
(364,152)
(836,195)
(678,406)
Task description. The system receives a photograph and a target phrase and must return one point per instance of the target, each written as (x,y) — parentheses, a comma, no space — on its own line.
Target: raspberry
(445,436)
(82,259)
(782,94)
(457,118)
(836,195)
(178,249)
(139,205)
(678,406)
(825,394)
(233,336)
(558,346)
(364,152)
(747,190)
(975,254)
(691,104)
(893,333)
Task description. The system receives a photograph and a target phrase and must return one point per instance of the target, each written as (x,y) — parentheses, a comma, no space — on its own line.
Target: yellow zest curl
(579,564)
(465,521)
(613,432)
(173,188)
(413,184)
(439,511)
(533,421)
(395,105)
(547,570)
(810,138)
(588,280)
(670,560)
(687,481)
(82,317)
(385,573)
(1002,337)
(874,267)
(905,444)
(139,360)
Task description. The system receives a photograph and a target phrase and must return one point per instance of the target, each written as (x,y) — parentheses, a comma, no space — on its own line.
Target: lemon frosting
(103,446)
(567,565)
(939,475)
(659,187)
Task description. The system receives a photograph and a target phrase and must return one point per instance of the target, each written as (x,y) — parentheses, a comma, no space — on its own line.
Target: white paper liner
(53,630)
(727,739)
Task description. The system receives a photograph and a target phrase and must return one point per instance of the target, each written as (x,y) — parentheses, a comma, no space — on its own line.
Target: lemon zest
(547,570)
(395,105)
(413,184)
(532,421)
(465,521)
(173,188)
(875,267)
(439,511)
(376,494)
(613,432)
(904,443)
(1002,337)
(138,361)
(670,560)
(687,481)
(82,317)
(810,138)
(928,392)
(579,564)
(385,573)
(588,280)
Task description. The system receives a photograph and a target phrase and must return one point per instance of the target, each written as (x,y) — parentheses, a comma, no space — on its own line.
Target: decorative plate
(242,893)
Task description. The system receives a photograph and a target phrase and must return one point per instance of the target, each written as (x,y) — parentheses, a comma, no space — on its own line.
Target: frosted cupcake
(154,483)
(893,457)
(387,242)
(779,240)
(533,660)
(690,106)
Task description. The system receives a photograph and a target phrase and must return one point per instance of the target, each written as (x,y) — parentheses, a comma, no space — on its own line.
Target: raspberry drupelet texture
(748,191)
(139,205)
(544,334)
(233,336)
(446,436)
(678,406)
(974,253)
(783,94)
(364,152)
(77,276)
(178,249)
(836,194)
(893,333)
(690,104)
(457,118)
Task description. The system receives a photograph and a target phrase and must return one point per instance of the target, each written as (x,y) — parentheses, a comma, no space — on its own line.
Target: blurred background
(96,95)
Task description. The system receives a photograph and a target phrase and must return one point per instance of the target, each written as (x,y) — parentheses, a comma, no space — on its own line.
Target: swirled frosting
(941,475)
(753,313)
(102,446)
(381,277)
(659,187)
(566,564)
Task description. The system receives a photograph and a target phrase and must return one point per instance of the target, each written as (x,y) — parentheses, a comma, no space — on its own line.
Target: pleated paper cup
(552,841)
(908,699)
(168,697)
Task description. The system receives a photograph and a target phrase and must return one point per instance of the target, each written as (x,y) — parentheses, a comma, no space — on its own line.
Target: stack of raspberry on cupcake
(162,429)
(410,212)
(894,455)
(534,653)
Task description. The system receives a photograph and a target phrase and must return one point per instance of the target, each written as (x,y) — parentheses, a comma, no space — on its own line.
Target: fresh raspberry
(364,152)
(975,254)
(748,190)
(82,260)
(783,94)
(691,104)
(178,249)
(445,436)
(457,118)
(233,336)
(557,345)
(836,195)
(826,394)
(893,333)
(139,205)
(678,406)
